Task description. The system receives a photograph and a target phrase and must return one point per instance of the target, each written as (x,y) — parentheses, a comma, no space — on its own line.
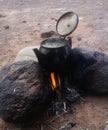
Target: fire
(55,81)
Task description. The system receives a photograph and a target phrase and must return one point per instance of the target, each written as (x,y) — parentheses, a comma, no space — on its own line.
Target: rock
(96,78)
(2,15)
(106,125)
(89,56)
(47,34)
(6,27)
(80,59)
(24,91)
(26,53)
(79,38)
(24,21)
(90,70)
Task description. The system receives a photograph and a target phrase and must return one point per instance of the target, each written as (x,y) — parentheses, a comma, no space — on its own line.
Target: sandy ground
(21,25)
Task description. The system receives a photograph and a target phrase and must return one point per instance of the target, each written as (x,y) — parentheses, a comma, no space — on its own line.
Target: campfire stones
(24,91)
(90,71)
(26,53)
(96,78)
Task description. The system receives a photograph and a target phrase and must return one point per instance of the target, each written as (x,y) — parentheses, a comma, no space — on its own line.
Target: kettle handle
(38,54)
(69,41)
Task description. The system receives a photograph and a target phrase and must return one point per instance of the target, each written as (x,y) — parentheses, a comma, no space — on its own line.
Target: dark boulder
(24,91)
(90,70)
(96,78)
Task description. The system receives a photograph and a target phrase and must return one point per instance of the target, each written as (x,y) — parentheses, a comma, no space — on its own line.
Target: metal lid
(67,23)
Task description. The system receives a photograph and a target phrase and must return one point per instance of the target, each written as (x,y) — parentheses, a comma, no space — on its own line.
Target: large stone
(90,70)
(96,78)
(26,53)
(24,91)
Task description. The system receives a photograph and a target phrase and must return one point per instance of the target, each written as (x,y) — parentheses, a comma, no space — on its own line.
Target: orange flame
(55,81)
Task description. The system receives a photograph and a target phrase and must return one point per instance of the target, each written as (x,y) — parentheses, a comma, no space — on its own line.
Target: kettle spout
(38,54)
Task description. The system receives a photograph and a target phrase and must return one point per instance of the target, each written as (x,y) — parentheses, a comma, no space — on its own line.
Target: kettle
(54,52)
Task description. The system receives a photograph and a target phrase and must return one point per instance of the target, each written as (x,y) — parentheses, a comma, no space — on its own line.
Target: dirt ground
(21,25)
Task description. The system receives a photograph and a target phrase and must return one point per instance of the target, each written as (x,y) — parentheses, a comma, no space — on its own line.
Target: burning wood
(55,80)
(58,101)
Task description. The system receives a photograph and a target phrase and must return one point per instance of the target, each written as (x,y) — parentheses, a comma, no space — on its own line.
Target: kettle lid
(67,23)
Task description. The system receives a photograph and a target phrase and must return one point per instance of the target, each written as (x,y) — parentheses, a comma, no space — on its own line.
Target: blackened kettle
(54,52)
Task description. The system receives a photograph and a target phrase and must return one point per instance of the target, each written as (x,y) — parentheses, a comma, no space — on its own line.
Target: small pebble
(2,15)
(6,26)
(54,19)
(79,38)
(47,34)
(100,17)
(24,21)
(38,24)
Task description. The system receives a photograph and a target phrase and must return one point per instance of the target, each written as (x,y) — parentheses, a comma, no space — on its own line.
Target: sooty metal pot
(54,52)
